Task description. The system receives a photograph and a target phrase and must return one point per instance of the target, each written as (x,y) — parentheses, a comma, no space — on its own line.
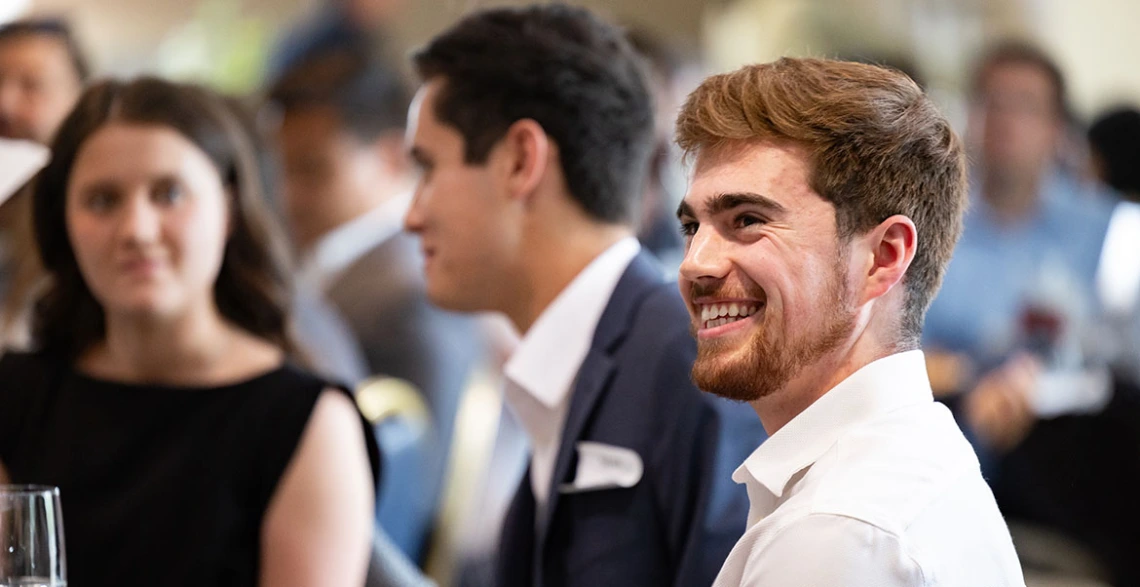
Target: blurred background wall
(227,42)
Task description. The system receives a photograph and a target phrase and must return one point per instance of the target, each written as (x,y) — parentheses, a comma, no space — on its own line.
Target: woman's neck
(197,349)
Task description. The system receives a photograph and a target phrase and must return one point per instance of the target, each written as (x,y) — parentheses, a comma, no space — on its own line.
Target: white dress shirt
(542,370)
(342,246)
(872,485)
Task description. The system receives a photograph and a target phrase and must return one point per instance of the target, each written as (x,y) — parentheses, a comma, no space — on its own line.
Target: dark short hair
(368,96)
(252,287)
(1013,52)
(572,73)
(875,143)
(1115,137)
(55,29)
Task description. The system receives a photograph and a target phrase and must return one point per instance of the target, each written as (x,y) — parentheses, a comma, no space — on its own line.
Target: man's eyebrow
(723,202)
(684,210)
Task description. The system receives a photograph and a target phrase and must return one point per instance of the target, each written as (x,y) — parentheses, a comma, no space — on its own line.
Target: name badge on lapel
(604,466)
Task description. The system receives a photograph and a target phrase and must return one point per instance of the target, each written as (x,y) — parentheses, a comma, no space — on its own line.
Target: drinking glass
(31,537)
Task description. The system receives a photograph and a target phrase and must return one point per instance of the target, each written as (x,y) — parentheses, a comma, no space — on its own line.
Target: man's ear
(522,156)
(890,248)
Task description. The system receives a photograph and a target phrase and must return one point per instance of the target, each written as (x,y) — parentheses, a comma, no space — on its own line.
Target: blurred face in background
(469,226)
(147,216)
(372,13)
(331,175)
(1015,123)
(38,86)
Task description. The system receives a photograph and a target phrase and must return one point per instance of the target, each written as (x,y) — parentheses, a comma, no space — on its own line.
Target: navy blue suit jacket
(633,391)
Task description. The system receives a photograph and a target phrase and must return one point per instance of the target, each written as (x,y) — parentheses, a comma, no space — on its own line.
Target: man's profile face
(1014,120)
(468,226)
(38,87)
(763,276)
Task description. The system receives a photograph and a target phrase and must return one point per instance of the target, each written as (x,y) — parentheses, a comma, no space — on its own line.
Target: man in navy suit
(532,131)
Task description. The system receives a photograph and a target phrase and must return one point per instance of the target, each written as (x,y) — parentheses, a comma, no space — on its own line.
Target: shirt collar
(345,244)
(552,350)
(879,387)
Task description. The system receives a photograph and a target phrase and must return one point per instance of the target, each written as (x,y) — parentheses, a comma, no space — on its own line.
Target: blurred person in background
(325,342)
(1114,148)
(347,184)
(1018,339)
(1093,482)
(664,180)
(42,72)
(533,129)
(161,399)
(337,25)
(825,201)
(1114,160)
(1033,236)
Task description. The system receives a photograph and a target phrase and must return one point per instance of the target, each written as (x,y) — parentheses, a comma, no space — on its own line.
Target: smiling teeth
(713,315)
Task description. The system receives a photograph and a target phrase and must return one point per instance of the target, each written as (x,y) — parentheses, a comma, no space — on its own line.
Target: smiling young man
(825,203)
(532,130)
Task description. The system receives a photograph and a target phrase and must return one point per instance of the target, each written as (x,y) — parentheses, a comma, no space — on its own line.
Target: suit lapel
(591,382)
(594,375)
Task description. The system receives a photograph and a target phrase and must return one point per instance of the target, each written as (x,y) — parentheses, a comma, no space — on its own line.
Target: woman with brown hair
(161,398)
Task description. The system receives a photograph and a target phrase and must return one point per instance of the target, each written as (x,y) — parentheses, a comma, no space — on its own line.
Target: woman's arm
(318,528)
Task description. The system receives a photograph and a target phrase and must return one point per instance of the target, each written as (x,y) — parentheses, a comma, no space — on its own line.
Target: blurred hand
(998,408)
(949,372)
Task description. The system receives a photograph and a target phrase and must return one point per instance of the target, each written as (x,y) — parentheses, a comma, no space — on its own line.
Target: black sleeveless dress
(159,485)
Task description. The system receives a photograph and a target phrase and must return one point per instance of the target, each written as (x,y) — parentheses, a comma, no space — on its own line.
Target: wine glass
(31,537)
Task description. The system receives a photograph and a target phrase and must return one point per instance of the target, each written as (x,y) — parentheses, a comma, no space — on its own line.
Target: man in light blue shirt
(1019,301)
